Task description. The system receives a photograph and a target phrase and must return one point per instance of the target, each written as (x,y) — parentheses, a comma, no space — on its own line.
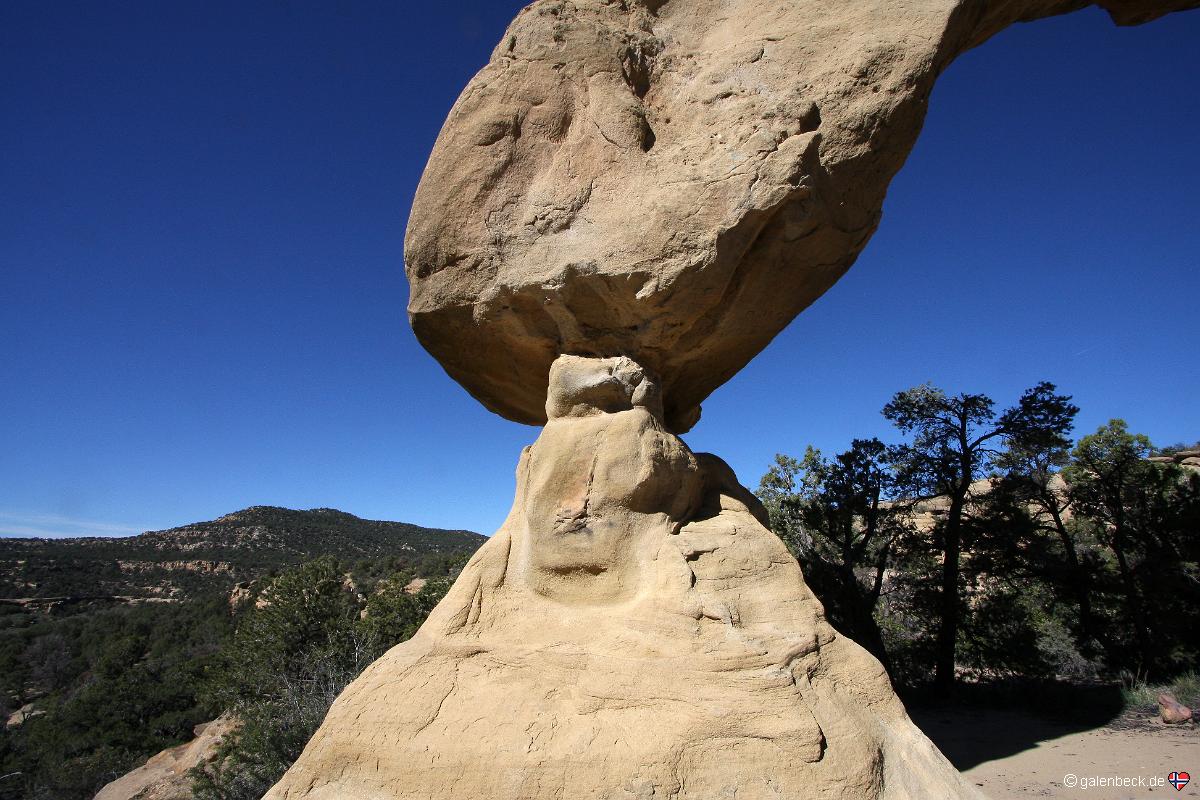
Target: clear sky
(202,209)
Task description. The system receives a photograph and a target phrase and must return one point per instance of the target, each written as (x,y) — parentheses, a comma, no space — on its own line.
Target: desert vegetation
(307,635)
(986,545)
(102,666)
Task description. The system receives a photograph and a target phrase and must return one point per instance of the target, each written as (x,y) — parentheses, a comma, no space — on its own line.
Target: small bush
(291,657)
(1143,696)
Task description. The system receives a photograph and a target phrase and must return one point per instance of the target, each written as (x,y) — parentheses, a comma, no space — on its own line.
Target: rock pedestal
(667,181)
(632,631)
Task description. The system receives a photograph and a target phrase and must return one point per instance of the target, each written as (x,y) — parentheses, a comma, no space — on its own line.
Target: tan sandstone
(165,776)
(1171,711)
(624,206)
(672,181)
(632,631)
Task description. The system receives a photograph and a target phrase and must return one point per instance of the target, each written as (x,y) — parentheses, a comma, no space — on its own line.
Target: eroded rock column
(632,631)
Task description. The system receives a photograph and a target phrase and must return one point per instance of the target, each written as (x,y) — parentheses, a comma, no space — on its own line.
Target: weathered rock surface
(1171,711)
(1188,459)
(672,181)
(623,208)
(22,715)
(632,631)
(165,776)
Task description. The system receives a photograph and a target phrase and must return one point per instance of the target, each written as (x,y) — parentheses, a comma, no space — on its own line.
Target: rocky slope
(166,775)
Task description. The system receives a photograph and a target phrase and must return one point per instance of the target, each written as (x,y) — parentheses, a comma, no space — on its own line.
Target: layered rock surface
(632,631)
(672,180)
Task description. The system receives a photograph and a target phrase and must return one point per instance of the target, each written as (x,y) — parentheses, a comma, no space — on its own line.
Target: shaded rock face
(632,631)
(671,180)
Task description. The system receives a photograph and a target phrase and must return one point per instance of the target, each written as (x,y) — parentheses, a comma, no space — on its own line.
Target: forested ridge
(180,562)
(112,649)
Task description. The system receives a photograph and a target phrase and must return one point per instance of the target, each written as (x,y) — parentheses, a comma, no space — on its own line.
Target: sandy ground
(1013,755)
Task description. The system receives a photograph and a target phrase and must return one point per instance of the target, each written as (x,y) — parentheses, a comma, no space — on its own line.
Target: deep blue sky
(202,209)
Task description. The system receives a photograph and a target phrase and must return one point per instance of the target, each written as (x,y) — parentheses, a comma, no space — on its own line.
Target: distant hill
(107,644)
(181,562)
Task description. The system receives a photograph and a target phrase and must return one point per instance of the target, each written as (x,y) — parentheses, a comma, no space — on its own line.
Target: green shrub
(290,659)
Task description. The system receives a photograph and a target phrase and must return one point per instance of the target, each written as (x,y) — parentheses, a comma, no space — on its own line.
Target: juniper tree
(955,441)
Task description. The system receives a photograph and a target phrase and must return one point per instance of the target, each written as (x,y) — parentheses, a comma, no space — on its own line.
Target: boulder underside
(672,181)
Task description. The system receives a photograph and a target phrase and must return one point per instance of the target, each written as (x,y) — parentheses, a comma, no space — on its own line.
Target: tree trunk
(877,583)
(1080,581)
(1133,599)
(948,631)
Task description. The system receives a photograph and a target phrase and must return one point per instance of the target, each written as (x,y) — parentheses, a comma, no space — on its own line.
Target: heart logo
(1179,780)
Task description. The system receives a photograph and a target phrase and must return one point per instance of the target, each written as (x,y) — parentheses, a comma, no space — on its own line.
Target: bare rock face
(632,631)
(165,776)
(1171,711)
(623,208)
(671,180)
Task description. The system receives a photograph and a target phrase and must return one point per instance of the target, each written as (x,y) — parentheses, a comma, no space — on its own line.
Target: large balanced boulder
(623,208)
(672,180)
(633,631)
